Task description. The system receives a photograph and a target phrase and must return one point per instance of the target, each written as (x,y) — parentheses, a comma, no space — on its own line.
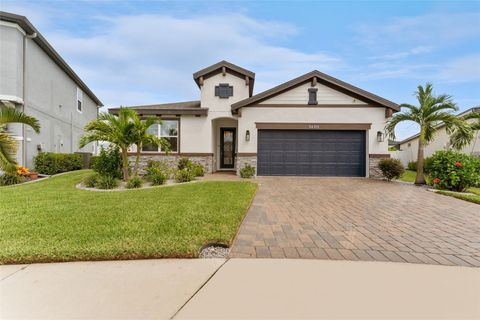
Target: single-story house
(313,125)
(409,147)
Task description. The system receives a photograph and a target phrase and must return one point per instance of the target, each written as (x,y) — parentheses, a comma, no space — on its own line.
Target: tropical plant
(431,111)
(184,175)
(117,130)
(108,162)
(8,145)
(461,138)
(454,170)
(141,137)
(134,183)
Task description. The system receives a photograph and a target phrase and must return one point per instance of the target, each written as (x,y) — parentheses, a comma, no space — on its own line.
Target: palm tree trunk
(137,159)
(125,163)
(420,178)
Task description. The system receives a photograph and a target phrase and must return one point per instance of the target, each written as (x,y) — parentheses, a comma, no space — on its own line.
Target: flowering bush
(22,171)
(455,171)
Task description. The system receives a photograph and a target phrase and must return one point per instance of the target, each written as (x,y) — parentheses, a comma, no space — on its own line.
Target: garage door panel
(311,153)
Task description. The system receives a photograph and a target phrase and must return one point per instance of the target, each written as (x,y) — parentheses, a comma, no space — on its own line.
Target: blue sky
(140,52)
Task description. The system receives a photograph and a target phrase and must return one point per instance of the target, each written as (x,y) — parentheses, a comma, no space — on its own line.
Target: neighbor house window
(167,130)
(224,90)
(312,96)
(79,100)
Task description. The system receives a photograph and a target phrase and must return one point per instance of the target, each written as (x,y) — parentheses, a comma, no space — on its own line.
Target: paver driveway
(358,219)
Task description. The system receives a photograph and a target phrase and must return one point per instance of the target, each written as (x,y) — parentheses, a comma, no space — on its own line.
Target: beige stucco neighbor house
(313,125)
(409,147)
(36,80)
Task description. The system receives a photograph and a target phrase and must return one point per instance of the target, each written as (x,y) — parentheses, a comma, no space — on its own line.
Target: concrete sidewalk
(240,288)
(286,288)
(136,289)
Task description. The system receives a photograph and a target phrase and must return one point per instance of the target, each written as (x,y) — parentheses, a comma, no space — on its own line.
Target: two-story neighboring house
(313,125)
(35,79)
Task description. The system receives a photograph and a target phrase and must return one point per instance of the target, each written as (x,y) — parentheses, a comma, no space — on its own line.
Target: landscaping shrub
(108,162)
(391,168)
(412,166)
(134,183)
(184,175)
(157,178)
(163,166)
(53,163)
(92,180)
(107,182)
(197,169)
(11,178)
(454,170)
(184,163)
(247,171)
(427,165)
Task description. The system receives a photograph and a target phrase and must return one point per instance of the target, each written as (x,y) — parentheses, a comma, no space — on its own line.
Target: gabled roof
(442,124)
(323,79)
(230,68)
(175,108)
(26,25)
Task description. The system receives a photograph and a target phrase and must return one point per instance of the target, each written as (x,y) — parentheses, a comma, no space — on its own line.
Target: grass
(408,176)
(474,197)
(51,220)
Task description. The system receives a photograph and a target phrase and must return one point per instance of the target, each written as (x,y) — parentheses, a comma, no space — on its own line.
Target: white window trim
(159,131)
(79,98)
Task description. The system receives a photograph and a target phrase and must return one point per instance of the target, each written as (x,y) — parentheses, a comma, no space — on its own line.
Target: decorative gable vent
(223,91)
(312,96)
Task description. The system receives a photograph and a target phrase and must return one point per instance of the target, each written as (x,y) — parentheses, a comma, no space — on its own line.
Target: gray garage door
(311,153)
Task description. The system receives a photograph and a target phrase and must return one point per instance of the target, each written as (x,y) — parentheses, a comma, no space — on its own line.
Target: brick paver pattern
(358,219)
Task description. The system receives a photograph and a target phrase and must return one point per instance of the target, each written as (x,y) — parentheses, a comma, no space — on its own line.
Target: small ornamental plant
(391,168)
(454,170)
(23,171)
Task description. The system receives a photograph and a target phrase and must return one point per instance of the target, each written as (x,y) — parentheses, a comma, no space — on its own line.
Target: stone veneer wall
(172,159)
(242,160)
(374,170)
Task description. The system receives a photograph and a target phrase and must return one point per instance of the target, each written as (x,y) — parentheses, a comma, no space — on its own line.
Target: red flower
(436,180)
(458,164)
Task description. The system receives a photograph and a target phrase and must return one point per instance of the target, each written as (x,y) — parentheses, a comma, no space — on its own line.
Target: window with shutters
(312,96)
(223,91)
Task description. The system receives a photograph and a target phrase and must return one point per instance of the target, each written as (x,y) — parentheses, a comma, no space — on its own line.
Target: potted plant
(33,175)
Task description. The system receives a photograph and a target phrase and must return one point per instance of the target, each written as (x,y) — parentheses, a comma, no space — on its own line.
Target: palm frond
(395,120)
(12,115)
(8,148)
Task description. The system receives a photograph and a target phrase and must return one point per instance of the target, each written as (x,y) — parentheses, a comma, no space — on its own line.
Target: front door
(227,148)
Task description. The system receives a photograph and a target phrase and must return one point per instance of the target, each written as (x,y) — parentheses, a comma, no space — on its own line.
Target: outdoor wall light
(380,137)
(247,135)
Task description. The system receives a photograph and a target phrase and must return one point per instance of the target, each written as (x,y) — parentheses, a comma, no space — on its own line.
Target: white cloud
(432,29)
(404,54)
(464,69)
(158,53)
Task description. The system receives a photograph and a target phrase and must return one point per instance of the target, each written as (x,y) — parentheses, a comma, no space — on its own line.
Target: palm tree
(461,137)
(117,130)
(141,137)
(431,111)
(8,146)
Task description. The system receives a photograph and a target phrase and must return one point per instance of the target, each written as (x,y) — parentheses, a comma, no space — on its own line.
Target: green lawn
(408,176)
(51,220)
(475,197)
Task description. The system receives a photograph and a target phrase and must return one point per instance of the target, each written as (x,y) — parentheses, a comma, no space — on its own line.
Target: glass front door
(227,148)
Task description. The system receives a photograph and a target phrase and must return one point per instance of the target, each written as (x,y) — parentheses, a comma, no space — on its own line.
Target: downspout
(24,94)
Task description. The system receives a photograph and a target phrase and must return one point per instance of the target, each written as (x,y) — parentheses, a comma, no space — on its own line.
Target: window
(79,100)
(167,130)
(223,91)
(312,96)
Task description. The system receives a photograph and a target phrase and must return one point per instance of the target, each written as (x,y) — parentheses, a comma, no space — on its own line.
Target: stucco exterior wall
(11,61)
(325,95)
(373,115)
(218,107)
(49,95)
(195,134)
(409,150)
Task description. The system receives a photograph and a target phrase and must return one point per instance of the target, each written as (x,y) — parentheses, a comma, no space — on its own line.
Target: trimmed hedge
(391,168)
(53,163)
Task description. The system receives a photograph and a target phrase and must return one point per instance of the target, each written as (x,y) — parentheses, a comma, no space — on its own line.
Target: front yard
(51,220)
